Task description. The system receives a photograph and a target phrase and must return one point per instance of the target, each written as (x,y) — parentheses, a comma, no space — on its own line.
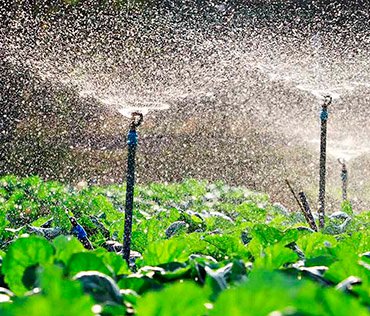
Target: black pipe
(307,211)
(294,195)
(132,141)
(322,181)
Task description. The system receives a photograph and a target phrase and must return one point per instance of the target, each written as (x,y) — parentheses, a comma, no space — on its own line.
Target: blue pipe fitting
(132,138)
(79,231)
(324,115)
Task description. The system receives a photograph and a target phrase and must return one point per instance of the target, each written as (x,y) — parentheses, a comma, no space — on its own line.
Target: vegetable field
(197,249)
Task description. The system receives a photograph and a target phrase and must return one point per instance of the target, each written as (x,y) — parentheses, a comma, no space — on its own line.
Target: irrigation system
(324,115)
(132,142)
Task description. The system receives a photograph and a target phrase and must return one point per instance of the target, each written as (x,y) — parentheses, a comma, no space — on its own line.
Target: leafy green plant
(198,249)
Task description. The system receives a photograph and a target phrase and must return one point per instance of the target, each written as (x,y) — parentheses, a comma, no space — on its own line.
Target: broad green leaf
(65,247)
(251,212)
(167,272)
(139,283)
(113,309)
(340,304)
(186,299)
(59,297)
(263,293)
(219,280)
(227,246)
(114,261)
(139,241)
(86,261)
(346,207)
(352,245)
(268,292)
(274,257)
(100,286)
(22,254)
(316,245)
(266,235)
(165,251)
(105,206)
(349,267)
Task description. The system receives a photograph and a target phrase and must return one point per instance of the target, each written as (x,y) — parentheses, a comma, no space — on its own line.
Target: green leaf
(139,241)
(186,299)
(250,211)
(22,254)
(65,247)
(353,245)
(100,286)
(268,292)
(348,267)
(59,297)
(227,246)
(266,235)
(218,280)
(262,294)
(113,310)
(4,223)
(347,207)
(86,261)
(274,257)
(139,283)
(339,304)
(316,245)
(165,251)
(114,261)
(167,272)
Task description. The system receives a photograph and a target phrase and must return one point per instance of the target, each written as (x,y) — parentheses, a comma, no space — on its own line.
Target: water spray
(307,212)
(344,176)
(324,115)
(132,141)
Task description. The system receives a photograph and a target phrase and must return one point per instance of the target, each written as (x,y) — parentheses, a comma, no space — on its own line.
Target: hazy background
(231,90)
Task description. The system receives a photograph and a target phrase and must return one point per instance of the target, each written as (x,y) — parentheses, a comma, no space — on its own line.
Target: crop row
(198,249)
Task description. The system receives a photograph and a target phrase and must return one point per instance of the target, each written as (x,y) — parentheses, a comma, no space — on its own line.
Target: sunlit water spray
(274,79)
(320,75)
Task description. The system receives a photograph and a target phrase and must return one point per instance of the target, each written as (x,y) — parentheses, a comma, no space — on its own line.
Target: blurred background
(231,91)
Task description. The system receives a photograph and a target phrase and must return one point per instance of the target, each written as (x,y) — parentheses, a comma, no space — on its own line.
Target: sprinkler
(132,141)
(344,176)
(80,233)
(324,115)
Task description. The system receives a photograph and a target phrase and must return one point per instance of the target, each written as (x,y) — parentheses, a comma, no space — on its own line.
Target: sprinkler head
(136,119)
(327,101)
(343,164)
(342,161)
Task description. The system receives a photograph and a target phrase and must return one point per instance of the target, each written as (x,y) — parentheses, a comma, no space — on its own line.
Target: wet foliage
(199,248)
(231,92)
